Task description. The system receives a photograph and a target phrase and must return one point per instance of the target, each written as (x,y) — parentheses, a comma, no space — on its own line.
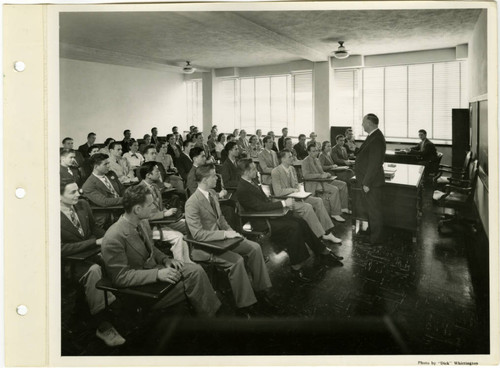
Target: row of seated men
(128,250)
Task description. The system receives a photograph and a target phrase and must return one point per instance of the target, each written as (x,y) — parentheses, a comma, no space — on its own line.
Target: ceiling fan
(341,52)
(188,69)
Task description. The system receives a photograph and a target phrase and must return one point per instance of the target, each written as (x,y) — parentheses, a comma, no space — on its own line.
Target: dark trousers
(373,205)
(293,234)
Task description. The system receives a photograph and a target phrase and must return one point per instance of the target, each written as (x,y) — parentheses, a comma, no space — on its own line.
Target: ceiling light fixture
(188,69)
(341,52)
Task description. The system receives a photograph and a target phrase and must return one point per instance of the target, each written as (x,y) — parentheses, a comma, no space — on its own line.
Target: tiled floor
(424,289)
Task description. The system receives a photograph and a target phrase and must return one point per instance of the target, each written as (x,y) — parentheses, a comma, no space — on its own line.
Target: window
(405,98)
(194,102)
(266,103)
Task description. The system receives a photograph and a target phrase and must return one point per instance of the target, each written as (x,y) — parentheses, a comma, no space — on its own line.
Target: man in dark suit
(229,171)
(68,144)
(425,148)
(83,149)
(301,148)
(281,140)
(103,188)
(131,258)
(290,231)
(370,176)
(67,169)
(127,141)
(184,162)
(79,232)
(206,222)
(87,166)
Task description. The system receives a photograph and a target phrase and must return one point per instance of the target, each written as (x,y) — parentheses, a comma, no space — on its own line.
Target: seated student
(258,133)
(103,188)
(350,144)
(87,167)
(289,231)
(289,146)
(178,137)
(207,223)
(328,165)
(242,141)
(268,159)
(83,149)
(105,149)
(184,162)
(119,165)
(212,139)
(131,259)
(335,194)
(312,210)
(173,148)
(133,156)
(219,145)
(271,134)
(229,170)
(127,140)
(254,147)
(67,168)
(68,144)
(301,148)
(146,142)
(281,140)
(313,140)
(172,233)
(154,137)
(167,162)
(79,232)
(425,148)
(150,155)
(199,143)
(339,152)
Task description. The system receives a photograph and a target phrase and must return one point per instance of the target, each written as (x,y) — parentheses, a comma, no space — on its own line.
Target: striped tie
(76,221)
(110,187)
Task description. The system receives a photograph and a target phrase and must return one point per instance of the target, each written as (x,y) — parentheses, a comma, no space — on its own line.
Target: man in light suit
(339,156)
(206,223)
(242,142)
(334,192)
(79,232)
(268,159)
(312,210)
(131,259)
(370,175)
(103,188)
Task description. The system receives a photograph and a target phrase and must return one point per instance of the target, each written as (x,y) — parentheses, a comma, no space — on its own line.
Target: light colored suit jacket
(311,169)
(203,223)
(267,164)
(283,184)
(126,256)
(95,190)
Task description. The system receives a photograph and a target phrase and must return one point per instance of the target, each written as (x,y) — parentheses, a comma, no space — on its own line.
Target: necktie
(110,187)
(212,203)
(70,172)
(76,221)
(134,155)
(344,153)
(143,238)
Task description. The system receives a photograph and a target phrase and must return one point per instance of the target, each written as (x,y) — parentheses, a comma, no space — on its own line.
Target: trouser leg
(375,218)
(321,213)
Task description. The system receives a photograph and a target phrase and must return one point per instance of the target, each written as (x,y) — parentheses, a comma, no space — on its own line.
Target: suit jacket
(427,149)
(65,175)
(311,169)
(83,150)
(281,143)
(275,149)
(267,164)
(326,161)
(159,207)
(339,155)
(184,165)
(129,260)
(171,152)
(95,190)
(211,144)
(301,151)
(191,183)
(125,145)
(230,174)
(282,183)
(71,240)
(204,224)
(370,159)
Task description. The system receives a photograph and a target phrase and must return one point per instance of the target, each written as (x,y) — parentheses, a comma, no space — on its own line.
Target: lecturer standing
(370,175)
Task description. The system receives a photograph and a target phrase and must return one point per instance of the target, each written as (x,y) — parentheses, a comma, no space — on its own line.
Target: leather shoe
(331,259)
(266,303)
(301,276)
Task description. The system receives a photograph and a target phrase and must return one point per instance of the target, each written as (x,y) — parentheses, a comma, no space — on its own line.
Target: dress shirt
(134,159)
(165,159)
(205,193)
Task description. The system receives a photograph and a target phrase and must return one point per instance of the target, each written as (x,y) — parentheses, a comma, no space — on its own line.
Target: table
(402,157)
(401,197)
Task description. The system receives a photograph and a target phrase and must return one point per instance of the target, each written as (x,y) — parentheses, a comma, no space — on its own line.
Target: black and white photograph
(273,180)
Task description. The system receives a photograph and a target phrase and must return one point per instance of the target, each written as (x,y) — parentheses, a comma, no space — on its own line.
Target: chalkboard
(482,154)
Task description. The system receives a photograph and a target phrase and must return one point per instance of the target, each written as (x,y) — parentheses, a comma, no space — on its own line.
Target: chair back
(434,165)
(468,163)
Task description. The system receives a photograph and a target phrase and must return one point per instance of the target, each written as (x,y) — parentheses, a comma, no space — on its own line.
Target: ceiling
(242,39)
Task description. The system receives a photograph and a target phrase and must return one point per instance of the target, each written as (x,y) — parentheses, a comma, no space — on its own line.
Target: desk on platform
(402,157)
(401,198)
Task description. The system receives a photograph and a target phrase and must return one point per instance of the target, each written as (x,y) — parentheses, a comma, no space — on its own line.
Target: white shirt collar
(205,193)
